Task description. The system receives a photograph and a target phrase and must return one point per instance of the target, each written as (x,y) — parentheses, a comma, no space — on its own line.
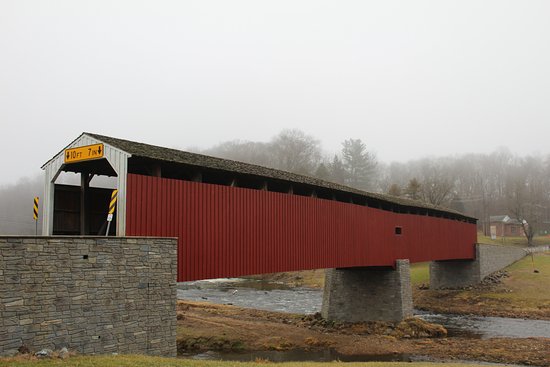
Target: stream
(278,297)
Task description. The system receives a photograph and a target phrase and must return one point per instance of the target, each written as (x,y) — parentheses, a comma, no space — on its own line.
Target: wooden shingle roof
(154,152)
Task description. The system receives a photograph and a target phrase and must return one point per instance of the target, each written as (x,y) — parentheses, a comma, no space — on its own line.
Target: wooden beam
(84,186)
(157,170)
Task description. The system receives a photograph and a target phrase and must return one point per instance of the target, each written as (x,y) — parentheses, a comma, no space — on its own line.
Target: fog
(16,206)
(409,78)
(433,90)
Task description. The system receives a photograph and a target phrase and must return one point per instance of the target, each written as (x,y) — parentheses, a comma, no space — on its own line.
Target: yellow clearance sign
(84,153)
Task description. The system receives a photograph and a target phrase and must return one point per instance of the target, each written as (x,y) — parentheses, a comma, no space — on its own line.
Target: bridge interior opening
(80,206)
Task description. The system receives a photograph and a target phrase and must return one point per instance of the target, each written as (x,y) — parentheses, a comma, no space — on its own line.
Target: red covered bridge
(235,219)
(226,231)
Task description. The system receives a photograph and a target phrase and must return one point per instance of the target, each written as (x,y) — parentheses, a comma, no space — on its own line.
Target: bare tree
(290,150)
(437,191)
(437,182)
(475,186)
(528,195)
(243,151)
(295,151)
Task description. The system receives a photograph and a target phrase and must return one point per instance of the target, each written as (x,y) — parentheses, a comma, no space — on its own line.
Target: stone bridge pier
(385,294)
(462,273)
(368,293)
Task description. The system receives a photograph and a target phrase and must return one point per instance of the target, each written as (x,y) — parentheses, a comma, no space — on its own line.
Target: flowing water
(253,294)
(278,297)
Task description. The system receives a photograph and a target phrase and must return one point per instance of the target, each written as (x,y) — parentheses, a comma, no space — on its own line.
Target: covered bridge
(233,218)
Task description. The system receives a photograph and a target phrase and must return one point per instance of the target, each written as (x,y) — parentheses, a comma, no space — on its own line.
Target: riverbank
(522,291)
(204,326)
(142,361)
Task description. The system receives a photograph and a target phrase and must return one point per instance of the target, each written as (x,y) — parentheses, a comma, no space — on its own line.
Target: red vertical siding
(226,231)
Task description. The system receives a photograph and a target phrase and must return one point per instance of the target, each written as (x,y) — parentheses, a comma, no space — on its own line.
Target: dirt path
(203,326)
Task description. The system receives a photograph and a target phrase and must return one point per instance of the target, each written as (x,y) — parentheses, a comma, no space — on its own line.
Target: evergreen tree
(413,189)
(360,165)
(322,172)
(337,170)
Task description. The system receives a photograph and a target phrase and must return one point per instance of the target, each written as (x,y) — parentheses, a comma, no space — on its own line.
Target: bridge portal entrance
(81,212)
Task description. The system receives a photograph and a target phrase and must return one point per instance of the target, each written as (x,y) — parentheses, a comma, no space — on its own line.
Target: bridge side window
(398,230)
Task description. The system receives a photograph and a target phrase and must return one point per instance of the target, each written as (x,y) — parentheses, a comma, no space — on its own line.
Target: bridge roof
(163,154)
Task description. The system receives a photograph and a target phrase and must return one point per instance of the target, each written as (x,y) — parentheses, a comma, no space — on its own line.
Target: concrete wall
(496,257)
(368,294)
(91,295)
(536,249)
(460,273)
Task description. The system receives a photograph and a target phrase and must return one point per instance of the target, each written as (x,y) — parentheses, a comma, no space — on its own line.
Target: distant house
(506,226)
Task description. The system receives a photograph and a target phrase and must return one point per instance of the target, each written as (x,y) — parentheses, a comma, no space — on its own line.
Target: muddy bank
(476,302)
(203,326)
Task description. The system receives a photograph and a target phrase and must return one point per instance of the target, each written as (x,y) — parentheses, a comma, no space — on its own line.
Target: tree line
(481,185)
(298,152)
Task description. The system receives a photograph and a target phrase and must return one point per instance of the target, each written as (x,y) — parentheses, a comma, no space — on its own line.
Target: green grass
(420,273)
(528,288)
(515,241)
(139,361)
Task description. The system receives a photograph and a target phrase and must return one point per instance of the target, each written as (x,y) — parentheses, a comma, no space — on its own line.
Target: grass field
(524,293)
(420,273)
(516,241)
(528,289)
(142,361)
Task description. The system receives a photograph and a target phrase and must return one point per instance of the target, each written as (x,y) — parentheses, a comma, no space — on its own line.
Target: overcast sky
(410,78)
